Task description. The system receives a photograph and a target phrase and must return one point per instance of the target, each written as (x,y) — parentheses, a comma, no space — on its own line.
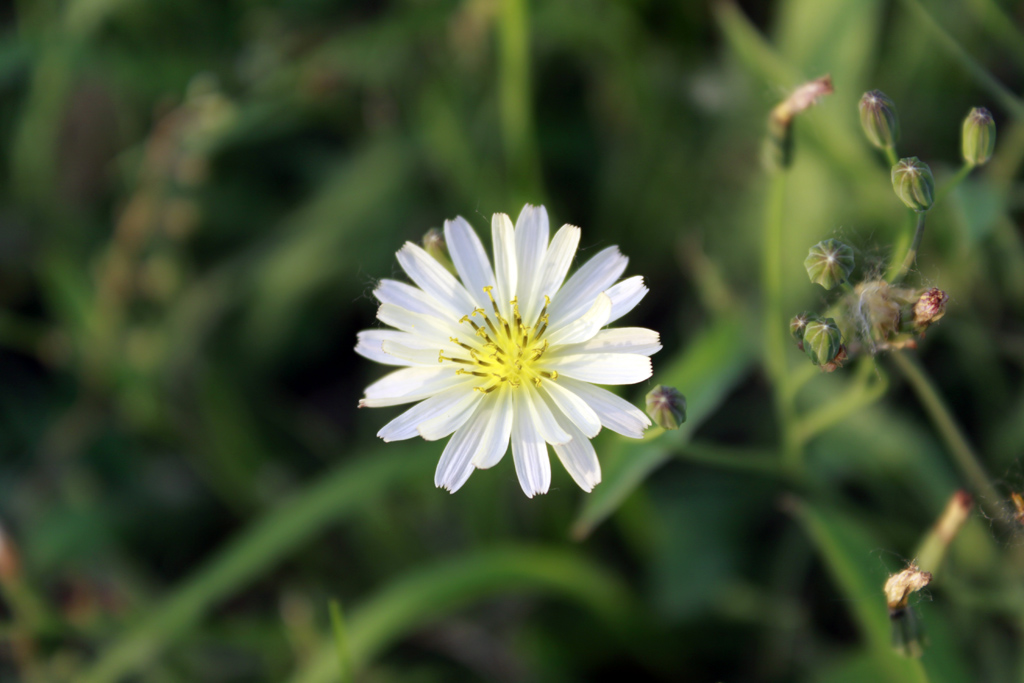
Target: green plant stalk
(986,80)
(891,155)
(515,101)
(774,332)
(341,643)
(862,394)
(951,184)
(949,430)
(915,244)
(253,552)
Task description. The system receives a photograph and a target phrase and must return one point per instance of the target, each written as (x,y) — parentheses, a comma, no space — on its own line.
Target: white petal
(428,329)
(470,259)
(370,345)
(625,296)
(456,463)
(547,426)
(433,279)
(408,385)
(410,298)
(617,414)
(531,246)
(495,443)
(573,407)
(529,452)
(410,355)
(604,368)
(584,327)
(505,270)
(405,425)
(579,459)
(558,259)
(451,418)
(616,340)
(595,276)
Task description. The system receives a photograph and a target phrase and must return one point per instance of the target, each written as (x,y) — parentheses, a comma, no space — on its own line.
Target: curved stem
(774,330)
(986,80)
(950,184)
(860,395)
(911,257)
(949,430)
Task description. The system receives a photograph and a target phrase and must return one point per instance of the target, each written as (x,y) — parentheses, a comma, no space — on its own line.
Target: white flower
(510,352)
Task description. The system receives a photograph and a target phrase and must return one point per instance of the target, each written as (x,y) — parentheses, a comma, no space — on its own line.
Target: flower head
(510,353)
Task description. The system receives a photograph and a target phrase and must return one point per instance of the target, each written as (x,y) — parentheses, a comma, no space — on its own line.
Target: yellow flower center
(509,350)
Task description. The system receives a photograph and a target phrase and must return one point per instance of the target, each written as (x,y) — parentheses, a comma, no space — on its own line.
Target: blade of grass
(250,555)
(430,593)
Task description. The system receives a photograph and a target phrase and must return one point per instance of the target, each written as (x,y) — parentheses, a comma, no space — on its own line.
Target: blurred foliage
(197,198)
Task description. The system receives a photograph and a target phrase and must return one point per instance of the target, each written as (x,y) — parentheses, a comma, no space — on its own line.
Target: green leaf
(430,593)
(705,373)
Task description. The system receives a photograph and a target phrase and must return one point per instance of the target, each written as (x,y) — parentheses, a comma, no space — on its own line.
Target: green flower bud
(822,340)
(979,136)
(798,324)
(829,263)
(879,120)
(912,180)
(666,406)
(434,244)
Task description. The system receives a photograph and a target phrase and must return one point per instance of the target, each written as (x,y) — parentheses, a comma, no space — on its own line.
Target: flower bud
(879,120)
(929,308)
(979,138)
(829,263)
(906,628)
(666,406)
(778,151)
(798,324)
(912,180)
(900,586)
(434,244)
(822,340)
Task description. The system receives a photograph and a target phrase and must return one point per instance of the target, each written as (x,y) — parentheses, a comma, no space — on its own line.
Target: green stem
(774,330)
(341,642)
(911,257)
(515,98)
(950,184)
(987,81)
(950,432)
(890,153)
(862,394)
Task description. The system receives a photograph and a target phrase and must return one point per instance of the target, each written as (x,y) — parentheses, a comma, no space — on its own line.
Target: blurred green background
(196,199)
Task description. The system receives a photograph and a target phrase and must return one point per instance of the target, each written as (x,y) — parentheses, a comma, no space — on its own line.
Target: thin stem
(341,642)
(890,153)
(774,330)
(950,184)
(1010,101)
(911,257)
(862,394)
(515,98)
(950,432)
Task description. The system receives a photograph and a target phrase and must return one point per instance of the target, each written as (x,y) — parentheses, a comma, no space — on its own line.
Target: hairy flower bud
(979,137)
(829,263)
(879,120)
(912,180)
(823,341)
(930,306)
(666,406)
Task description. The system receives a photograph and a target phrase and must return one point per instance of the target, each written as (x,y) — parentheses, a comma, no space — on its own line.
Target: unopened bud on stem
(779,147)
(829,263)
(666,406)
(906,629)
(912,180)
(929,308)
(434,244)
(823,342)
(979,137)
(879,120)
